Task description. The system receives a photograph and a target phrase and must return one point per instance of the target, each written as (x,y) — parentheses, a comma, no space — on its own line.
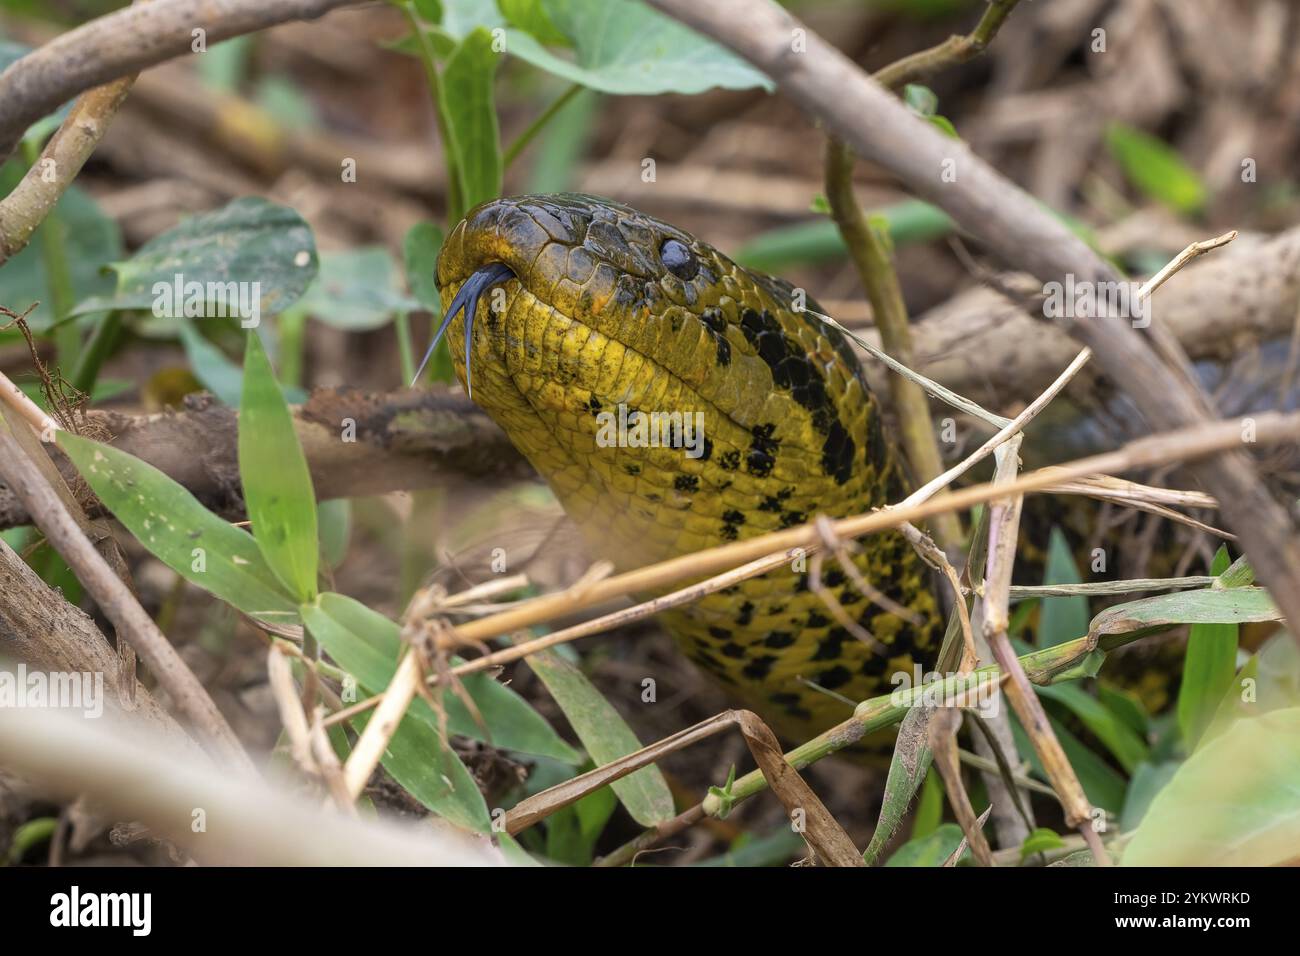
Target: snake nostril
(678,259)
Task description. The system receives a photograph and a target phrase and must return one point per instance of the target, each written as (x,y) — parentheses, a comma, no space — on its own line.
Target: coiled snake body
(601,306)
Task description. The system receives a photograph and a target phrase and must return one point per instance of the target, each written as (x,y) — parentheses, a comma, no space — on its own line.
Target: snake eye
(678,260)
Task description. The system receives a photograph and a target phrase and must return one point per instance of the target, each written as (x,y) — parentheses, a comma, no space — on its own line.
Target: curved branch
(356,444)
(125,42)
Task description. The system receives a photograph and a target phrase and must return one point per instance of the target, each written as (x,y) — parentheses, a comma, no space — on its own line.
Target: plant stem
(58,274)
(1041,667)
(405,351)
(876,271)
(455,195)
(536,126)
(86,371)
(291,330)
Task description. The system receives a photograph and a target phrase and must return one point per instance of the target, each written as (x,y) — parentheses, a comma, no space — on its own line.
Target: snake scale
(599,306)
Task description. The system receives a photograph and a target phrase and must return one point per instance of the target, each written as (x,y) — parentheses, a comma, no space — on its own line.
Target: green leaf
(225,65)
(366,644)
(1062,618)
(930,850)
(1205,606)
(1101,784)
(558,152)
(91,239)
(356,290)
(920,99)
(430,11)
(335,518)
(907,768)
(1269,681)
(266,250)
(606,736)
(29,835)
(1155,169)
(278,491)
(1126,706)
(467,103)
(1233,803)
(945,126)
(420,250)
(1040,841)
(910,221)
(1148,780)
(530,16)
(179,531)
(1238,574)
(1128,748)
(623,47)
(432,773)
(286,103)
(929,808)
(572,832)
(220,376)
(1208,669)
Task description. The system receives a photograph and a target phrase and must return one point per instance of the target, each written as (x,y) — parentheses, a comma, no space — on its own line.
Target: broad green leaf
(430,11)
(366,644)
(179,531)
(1148,780)
(1278,673)
(91,240)
(420,250)
(1208,669)
(1233,803)
(356,290)
(278,491)
(459,17)
(1040,841)
(1117,736)
(1269,680)
(250,259)
(623,47)
(1155,168)
(1205,606)
(606,736)
(930,850)
(530,16)
(470,111)
(432,773)
(1062,618)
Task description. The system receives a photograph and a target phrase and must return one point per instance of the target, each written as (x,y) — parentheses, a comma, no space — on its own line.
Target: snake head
(590,259)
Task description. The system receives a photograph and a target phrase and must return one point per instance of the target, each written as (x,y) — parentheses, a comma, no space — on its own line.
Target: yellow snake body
(608,307)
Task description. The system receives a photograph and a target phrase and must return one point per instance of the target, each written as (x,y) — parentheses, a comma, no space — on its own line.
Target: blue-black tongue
(467,299)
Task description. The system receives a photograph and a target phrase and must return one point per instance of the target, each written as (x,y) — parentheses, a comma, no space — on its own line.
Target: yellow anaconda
(603,312)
